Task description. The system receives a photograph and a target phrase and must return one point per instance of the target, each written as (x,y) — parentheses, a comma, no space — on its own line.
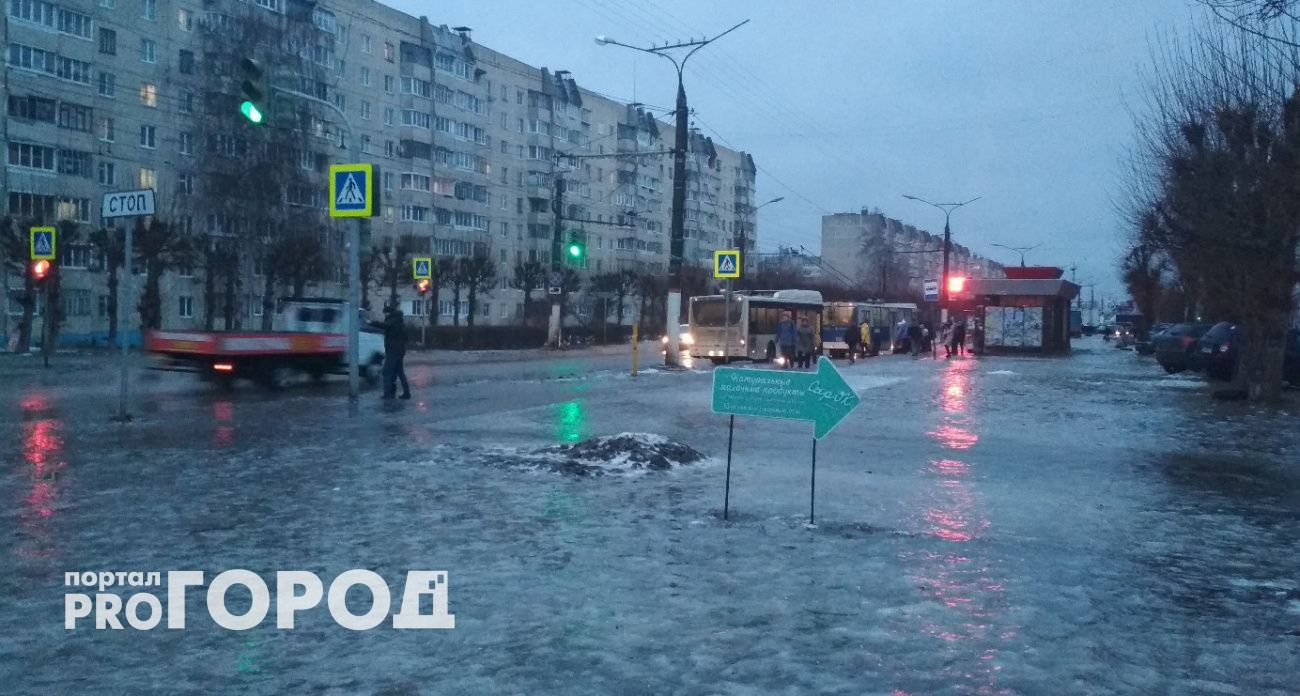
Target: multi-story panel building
(891,257)
(473,148)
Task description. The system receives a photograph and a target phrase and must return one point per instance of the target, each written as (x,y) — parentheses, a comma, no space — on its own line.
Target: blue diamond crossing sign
(726,263)
(422,268)
(42,243)
(352,190)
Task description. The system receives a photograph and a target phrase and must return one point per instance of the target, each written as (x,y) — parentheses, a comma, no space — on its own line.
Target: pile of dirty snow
(601,456)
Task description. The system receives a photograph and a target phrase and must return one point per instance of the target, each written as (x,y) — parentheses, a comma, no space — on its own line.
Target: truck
(309,337)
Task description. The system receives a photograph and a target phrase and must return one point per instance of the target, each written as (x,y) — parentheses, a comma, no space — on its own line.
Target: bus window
(763,320)
(708,312)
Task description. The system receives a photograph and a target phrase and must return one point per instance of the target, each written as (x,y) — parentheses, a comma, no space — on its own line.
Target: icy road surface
(998,525)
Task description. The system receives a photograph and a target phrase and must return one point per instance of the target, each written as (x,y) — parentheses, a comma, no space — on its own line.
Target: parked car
(1175,347)
(1145,345)
(1220,348)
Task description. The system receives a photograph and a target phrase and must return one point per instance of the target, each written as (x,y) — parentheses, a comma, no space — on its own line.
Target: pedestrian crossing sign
(726,263)
(42,243)
(422,268)
(352,189)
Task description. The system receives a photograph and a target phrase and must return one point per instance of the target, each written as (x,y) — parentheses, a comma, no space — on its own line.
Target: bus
(753,317)
(839,316)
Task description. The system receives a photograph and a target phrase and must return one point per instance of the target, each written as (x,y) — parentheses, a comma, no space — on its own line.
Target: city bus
(838,316)
(753,319)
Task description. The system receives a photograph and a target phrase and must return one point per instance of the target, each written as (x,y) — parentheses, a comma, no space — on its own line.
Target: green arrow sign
(823,398)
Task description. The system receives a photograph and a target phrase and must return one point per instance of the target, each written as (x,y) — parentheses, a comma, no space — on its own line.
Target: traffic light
(956,285)
(575,249)
(422,286)
(40,270)
(253,90)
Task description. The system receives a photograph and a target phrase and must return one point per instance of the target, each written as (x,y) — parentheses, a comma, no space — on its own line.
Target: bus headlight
(687,339)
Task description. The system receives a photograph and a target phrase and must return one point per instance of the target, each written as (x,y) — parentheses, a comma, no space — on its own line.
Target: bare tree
(1219,167)
(13,244)
(161,248)
(110,242)
(528,276)
(479,273)
(618,285)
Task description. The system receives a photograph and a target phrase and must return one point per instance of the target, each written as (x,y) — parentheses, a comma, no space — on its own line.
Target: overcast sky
(854,103)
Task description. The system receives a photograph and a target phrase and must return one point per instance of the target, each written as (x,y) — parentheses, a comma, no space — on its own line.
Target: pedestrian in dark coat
(395,354)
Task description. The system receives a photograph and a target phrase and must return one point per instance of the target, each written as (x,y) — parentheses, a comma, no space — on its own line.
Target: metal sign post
(352,195)
(126,204)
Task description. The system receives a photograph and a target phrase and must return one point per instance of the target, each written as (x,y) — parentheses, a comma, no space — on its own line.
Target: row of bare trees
(1215,205)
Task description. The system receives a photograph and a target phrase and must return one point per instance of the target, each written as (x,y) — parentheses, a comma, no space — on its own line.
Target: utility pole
(947,209)
(672,356)
(557,274)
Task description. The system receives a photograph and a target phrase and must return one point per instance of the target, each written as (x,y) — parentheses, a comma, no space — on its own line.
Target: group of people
(797,342)
(917,338)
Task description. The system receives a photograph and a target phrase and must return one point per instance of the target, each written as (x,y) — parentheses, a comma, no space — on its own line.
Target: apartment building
(893,257)
(472,147)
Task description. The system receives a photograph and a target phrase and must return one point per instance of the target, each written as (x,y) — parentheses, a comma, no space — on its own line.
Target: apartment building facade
(892,257)
(105,95)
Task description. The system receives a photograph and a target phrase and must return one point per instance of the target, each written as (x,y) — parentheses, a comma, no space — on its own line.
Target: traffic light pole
(554,328)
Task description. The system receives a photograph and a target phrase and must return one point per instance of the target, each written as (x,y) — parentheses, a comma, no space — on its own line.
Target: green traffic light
(251,112)
(575,250)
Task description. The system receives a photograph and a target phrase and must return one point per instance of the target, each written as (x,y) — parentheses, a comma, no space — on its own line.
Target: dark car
(1218,350)
(1145,345)
(1176,346)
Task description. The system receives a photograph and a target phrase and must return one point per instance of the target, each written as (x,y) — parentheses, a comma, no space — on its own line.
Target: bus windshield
(708,312)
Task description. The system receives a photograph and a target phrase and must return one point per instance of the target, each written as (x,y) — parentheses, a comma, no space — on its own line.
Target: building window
(184,20)
(365,110)
(148,51)
(107,41)
(107,172)
(74,117)
(388,116)
(388,148)
(388,83)
(148,178)
(31,156)
(365,77)
(149,9)
(388,51)
(411,117)
(185,143)
(186,103)
(149,94)
(416,86)
(185,184)
(74,163)
(366,45)
(388,182)
(185,307)
(107,84)
(148,136)
(186,62)
(107,129)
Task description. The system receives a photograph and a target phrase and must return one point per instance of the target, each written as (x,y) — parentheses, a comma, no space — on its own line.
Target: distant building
(891,257)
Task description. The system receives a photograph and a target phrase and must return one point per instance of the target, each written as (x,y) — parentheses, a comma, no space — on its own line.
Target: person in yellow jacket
(864,338)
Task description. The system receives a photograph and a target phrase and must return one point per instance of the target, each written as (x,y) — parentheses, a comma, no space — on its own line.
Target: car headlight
(664,340)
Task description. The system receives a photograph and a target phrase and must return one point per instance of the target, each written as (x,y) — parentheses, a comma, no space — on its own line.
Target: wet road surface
(997,525)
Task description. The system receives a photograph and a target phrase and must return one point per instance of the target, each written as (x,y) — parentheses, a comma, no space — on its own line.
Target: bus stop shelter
(1021,315)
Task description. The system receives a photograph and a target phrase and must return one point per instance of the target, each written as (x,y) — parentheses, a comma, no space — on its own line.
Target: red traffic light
(956,284)
(40,269)
(422,286)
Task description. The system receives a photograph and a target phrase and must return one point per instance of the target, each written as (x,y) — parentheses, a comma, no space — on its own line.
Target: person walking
(805,343)
(945,336)
(869,347)
(914,339)
(902,337)
(394,327)
(787,335)
(959,337)
(852,338)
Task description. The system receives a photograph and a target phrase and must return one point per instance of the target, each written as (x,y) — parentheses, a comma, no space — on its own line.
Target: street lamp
(744,228)
(1018,250)
(678,220)
(947,209)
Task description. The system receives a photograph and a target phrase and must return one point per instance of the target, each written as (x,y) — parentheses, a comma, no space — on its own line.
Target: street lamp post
(1018,250)
(678,219)
(947,209)
(744,238)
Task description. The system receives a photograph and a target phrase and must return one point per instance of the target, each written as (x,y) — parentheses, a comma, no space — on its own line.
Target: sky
(852,104)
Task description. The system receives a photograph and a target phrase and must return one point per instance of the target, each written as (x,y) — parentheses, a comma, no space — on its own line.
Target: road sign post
(422,268)
(42,243)
(822,397)
(126,204)
(352,196)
